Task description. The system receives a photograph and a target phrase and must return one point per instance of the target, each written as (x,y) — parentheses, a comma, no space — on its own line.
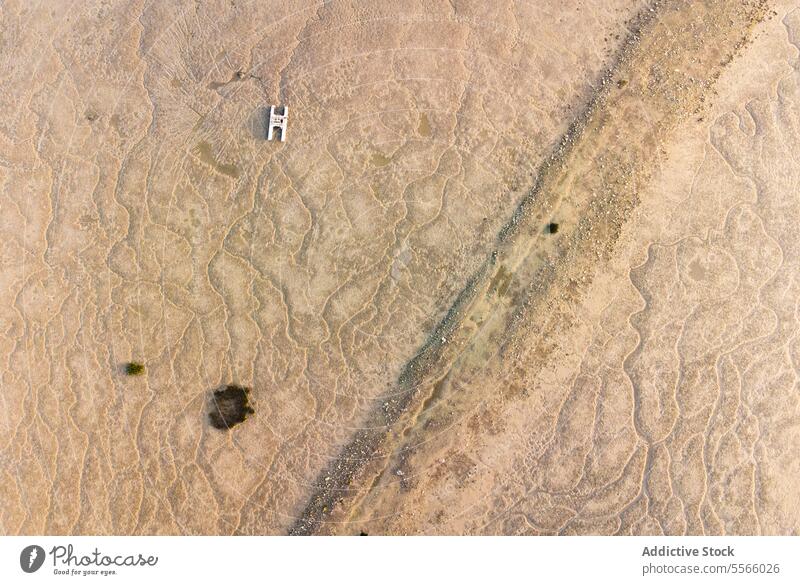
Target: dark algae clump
(133,369)
(229,406)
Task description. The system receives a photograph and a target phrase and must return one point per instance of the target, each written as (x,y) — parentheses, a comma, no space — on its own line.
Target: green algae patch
(424,128)
(380,160)
(206,154)
(133,369)
(229,407)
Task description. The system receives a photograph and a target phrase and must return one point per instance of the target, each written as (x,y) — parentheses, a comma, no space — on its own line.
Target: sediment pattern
(668,405)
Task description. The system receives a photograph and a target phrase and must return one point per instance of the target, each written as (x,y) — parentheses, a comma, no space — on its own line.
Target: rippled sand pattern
(669,405)
(144,218)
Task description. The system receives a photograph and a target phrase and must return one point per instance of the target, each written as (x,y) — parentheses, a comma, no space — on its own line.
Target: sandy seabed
(424,353)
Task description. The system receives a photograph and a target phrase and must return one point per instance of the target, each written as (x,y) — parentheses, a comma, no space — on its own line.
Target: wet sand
(662,402)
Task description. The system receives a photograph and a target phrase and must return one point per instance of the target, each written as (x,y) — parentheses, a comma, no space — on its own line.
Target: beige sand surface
(409,372)
(666,400)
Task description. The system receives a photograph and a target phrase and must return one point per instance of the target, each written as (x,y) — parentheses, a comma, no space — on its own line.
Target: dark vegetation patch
(551,228)
(133,369)
(230,405)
